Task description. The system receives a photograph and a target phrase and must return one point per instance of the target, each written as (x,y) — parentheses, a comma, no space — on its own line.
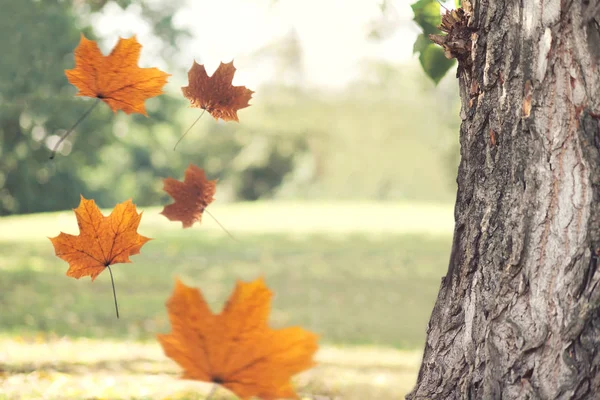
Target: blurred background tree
(367,140)
(37,105)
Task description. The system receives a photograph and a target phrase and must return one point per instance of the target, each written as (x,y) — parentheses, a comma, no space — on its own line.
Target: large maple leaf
(191,196)
(236,348)
(102,241)
(115,79)
(216,94)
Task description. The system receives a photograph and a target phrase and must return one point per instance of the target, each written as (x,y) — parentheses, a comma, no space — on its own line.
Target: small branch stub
(457,39)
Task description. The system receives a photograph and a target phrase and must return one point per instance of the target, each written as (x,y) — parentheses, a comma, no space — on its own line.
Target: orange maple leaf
(216,94)
(102,241)
(115,79)
(191,196)
(236,348)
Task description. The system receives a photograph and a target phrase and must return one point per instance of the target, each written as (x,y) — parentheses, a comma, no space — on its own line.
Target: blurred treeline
(390,135)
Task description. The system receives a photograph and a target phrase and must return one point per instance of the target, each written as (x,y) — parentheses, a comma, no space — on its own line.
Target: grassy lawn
(105,369)
(363,276)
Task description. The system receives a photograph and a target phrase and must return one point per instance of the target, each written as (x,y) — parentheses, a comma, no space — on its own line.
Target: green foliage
(432,58)
(421,43)
(38,104)
(292,142)
(363,142)
(434,62)
(367,140)
(427,15)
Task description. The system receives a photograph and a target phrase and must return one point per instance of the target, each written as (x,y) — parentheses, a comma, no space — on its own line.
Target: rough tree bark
(518,312)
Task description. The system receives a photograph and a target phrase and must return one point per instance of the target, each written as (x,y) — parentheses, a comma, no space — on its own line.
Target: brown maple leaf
(191,196)
(216,94)
(102,241)
(115,79)
(236,348)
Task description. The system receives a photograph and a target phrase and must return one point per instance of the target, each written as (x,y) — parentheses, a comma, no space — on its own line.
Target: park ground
(363,276)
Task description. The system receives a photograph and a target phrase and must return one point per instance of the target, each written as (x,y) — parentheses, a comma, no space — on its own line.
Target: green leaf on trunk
(434,62)
(421,43)
(427,15)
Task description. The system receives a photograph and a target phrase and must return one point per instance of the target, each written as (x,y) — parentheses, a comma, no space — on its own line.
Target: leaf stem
(73,128)
(217,221)
(182,136)
(114,293)
(212,392)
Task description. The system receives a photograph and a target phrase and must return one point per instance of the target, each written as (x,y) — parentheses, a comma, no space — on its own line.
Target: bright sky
(332,33)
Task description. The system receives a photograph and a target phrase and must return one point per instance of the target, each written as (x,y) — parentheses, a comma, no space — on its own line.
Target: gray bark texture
(518,312)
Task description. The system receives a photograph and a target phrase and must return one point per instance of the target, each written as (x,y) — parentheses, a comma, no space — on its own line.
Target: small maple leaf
(102,241)
(216,94)
(191,196)
(115,79)
(236,348)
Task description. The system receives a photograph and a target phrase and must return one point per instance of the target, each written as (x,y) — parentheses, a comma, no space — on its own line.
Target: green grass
(355,273)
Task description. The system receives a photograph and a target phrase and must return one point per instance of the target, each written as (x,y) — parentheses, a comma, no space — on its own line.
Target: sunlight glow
(333,36)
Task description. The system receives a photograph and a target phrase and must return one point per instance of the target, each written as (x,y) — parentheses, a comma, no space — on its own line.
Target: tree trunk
(518,312)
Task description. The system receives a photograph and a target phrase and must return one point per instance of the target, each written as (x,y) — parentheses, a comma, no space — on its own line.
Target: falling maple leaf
(236,348)
(216,94)
(102,241)
(115,79)
(191,196)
